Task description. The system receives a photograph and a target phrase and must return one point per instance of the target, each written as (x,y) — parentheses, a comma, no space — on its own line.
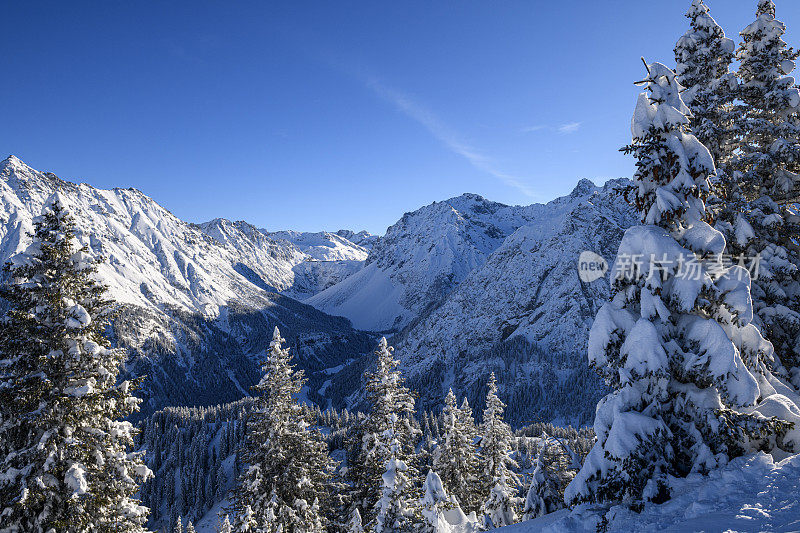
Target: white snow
(75,478)
(752,493)
(369,299)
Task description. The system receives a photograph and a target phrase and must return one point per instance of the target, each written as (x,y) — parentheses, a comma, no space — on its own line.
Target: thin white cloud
(444,134)
(413,110)
(570,127)
(530,129)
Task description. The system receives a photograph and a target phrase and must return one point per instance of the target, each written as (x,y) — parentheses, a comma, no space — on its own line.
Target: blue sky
(328,115)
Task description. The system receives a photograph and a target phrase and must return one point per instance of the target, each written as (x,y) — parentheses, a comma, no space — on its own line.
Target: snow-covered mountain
(524,313)
(420,260)
(467,286)
(472,286)
(322,246)
(362,238)
(291,263)
(199,301)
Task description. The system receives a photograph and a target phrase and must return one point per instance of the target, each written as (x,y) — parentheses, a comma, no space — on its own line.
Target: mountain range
(462,287)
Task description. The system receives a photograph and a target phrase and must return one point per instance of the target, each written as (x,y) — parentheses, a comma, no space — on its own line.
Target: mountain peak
(13,162)
(584,187)
(471,196)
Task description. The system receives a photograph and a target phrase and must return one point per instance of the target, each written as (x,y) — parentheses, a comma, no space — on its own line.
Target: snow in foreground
(749,494)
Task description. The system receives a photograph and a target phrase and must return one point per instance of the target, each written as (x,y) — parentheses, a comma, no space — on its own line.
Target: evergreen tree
(355,525)
(498,478)
(672,340)
(394,510)
(771,129)
(288,470)
(64,446)
(543,495)
(384,470)
(178,526)
(455,459)
(704,55)
(190,527)
(435,503)
(761,220)
(224,526)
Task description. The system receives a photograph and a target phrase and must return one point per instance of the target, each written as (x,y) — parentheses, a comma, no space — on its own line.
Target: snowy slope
(195,305)
(420,260)
(749,494)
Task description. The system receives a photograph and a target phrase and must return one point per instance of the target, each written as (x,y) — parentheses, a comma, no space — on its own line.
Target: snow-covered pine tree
(178,526)
(64,447)
(395,509)
(762,218)
(498,479)
(288,469)
(703,56)
(355,525)
(224,525)
(455,459)
(672,340)
(440,512)
(190,527)
(543,494)
(771,129)
(385,466)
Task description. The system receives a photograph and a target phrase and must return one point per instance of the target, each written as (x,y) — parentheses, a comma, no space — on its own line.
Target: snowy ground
(750,494)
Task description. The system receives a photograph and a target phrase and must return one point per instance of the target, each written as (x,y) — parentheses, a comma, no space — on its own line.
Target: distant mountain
(468,286)
(363,238)
(464,287)
(291,263)
(199,302)
(323,246)
(422,257)
(525,314)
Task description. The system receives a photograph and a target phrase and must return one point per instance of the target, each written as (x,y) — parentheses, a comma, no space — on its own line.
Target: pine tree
(190,527)
(355,525)
(288,470)
(385,467)
(672,340)
(704,55)
(543,495)
(63,442)
(498,478)
(761,220)
(224,526)
(455,459)
(178,526)
(394,510)
(436,506)
(770,123)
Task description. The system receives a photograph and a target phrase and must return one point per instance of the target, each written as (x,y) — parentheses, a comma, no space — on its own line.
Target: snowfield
(749,494)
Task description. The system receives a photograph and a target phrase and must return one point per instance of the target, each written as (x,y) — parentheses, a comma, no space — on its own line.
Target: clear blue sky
(326,115)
